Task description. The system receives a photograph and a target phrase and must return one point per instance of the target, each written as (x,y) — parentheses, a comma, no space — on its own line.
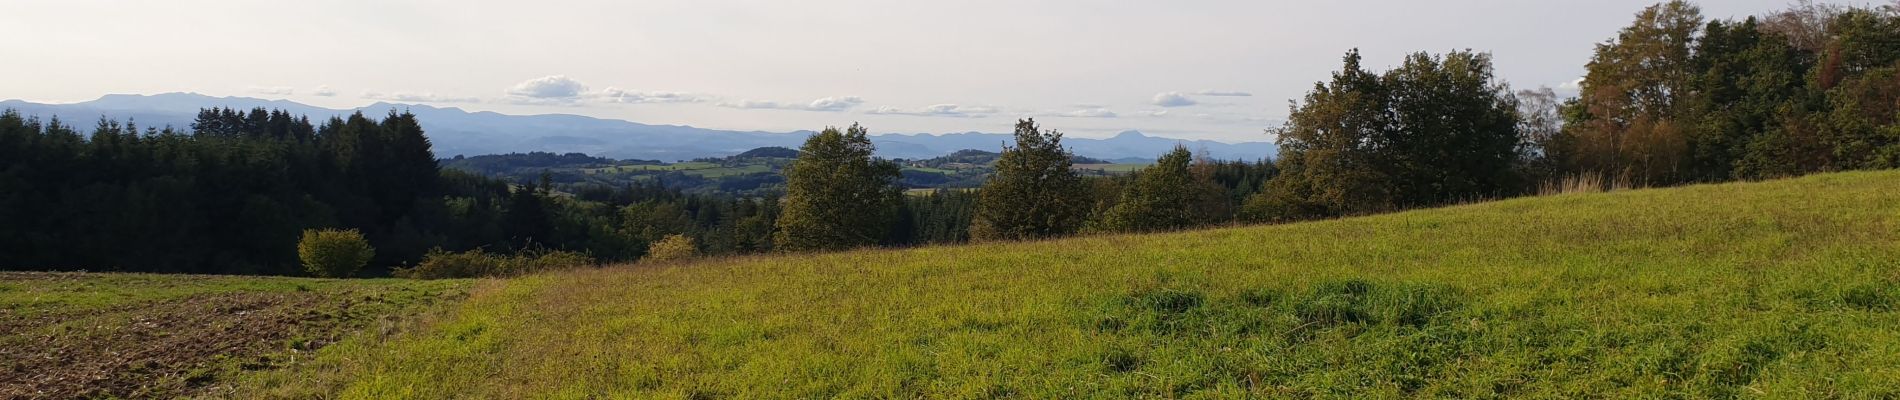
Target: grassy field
(1776,289)
(702,169)
(77,335)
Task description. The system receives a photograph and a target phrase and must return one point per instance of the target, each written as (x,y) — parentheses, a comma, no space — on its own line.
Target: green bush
(673,248)
(333,253)
(439,264)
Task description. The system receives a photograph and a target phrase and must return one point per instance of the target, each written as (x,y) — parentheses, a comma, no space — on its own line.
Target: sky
(1195,69)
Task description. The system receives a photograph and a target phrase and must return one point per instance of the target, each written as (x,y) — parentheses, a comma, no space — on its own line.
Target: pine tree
(837,196)
(1034,193)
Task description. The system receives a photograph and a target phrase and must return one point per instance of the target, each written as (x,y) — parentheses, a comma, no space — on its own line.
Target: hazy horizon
(1219,70)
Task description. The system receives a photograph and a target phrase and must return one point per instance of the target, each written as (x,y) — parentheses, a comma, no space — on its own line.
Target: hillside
(1784,288)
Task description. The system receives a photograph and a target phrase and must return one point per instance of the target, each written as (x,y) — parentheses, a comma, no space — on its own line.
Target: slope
(1784,288)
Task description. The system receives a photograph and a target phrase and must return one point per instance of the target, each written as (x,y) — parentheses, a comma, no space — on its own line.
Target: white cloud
(273,90)
(835,103)
(1089,113)
(1157,113)
(552,87)
(1569,89)
(1231,93)
(1173,99)
(1572,85)
(618,95)
(323,91)
(825,104)
(940,110)
(424,97)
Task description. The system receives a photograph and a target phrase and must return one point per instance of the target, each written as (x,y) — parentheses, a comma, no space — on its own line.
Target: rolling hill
(459,132)
(1787,288)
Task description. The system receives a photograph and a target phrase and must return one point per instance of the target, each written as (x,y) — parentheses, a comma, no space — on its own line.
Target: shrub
(333,253)
(439,264)
(672,248)
(531,262)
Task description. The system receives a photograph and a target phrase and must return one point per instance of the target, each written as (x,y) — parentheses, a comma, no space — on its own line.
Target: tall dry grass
(1586,182)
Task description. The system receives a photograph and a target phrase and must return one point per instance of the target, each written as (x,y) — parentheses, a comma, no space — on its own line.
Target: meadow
(1782,288)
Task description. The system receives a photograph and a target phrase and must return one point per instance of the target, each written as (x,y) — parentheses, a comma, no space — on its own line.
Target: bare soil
(170,347)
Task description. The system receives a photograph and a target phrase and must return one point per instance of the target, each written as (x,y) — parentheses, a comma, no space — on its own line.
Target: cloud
(1173,99)
(1231,93)
(832,104)
(424,97)
(275,90)
(835,103)
(618,95)
(1157,113)
(323,91)
(1569,89)
(552,87)
(1572,85)
(1089,113)
(940,110)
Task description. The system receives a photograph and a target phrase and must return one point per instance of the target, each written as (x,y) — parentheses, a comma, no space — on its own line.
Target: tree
(673,248)
(1540,115)
(1626,118)
(1434,130)
(1164,196)
(837,196)
(333,253)
(527,219)
(1034,193)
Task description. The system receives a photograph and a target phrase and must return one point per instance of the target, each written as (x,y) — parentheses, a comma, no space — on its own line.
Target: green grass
(1784,289)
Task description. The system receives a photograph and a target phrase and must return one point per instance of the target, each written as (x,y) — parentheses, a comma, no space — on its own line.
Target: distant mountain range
(458,132)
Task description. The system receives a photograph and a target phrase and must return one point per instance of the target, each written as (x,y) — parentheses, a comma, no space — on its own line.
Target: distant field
(1117,168)
(702,169)
(77,335)
(927,191)
(1778,289)
(720,172)
(931,170)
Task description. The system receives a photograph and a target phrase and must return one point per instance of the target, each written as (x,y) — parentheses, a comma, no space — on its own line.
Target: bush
(333,253)
(673,248)
(531,262)
(439,264)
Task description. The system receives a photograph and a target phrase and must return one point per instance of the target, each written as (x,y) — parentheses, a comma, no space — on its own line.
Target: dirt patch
(170,348)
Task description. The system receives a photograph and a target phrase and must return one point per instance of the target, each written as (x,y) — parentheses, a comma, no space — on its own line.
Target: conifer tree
(1034,193)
